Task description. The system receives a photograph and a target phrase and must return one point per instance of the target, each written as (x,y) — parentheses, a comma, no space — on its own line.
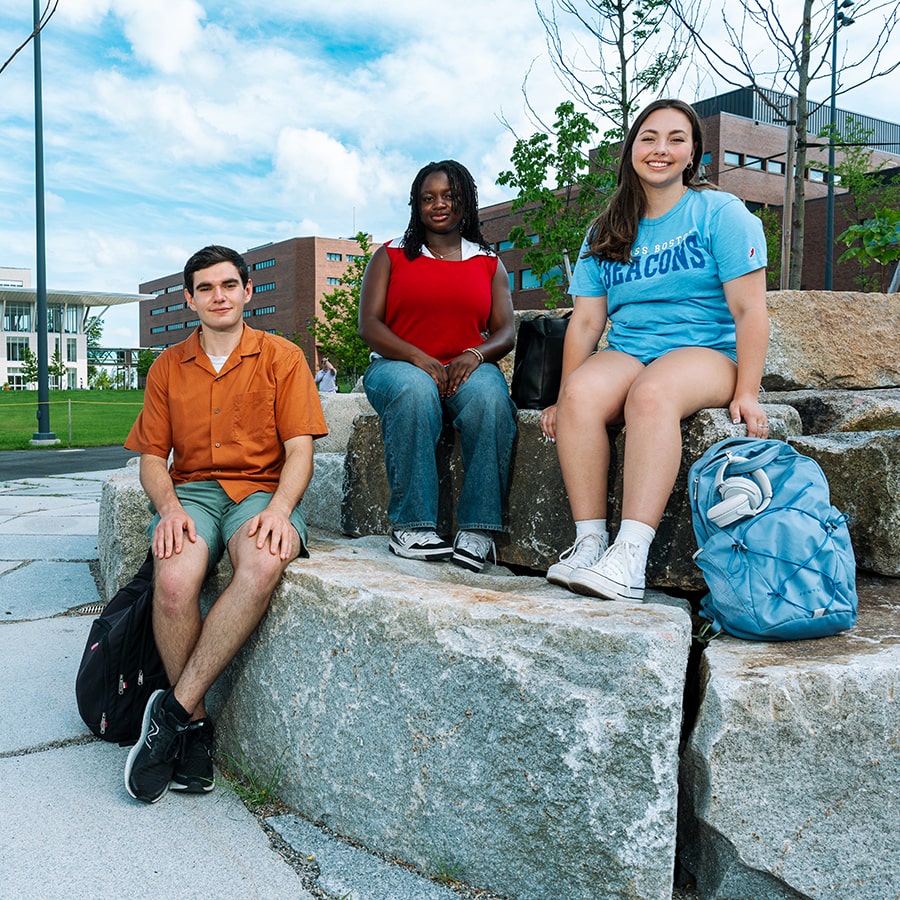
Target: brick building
(289,278)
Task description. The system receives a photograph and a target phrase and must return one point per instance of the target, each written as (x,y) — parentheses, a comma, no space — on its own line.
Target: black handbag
(537,368)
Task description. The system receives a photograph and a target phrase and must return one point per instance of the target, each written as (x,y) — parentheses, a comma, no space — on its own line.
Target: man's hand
(168,538)
(277,529)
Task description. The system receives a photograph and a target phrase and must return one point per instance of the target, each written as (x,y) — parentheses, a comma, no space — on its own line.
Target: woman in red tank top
(435,309)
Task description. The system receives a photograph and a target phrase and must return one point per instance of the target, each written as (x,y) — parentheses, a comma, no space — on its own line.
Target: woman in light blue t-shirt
(678,269)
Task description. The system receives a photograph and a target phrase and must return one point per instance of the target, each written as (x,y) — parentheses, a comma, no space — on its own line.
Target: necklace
(444,255)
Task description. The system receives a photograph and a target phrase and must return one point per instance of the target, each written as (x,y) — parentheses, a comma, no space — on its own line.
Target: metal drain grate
(89,609)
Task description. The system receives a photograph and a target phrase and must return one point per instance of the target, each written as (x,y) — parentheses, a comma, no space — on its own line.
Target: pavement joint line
(60,744)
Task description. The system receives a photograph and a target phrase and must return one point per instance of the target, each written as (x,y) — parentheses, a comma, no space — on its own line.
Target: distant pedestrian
(239,410)
(326,377)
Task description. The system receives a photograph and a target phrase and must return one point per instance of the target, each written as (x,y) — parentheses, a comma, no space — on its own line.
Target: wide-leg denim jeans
(412,417)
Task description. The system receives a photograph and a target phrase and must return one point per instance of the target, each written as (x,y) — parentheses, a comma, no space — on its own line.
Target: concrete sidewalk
(69,829)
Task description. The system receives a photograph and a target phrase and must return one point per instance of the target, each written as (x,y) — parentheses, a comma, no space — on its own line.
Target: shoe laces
(584,552)
(475,543)
(623,558)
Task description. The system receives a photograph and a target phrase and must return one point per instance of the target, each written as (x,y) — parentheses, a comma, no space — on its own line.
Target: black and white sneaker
(472,548)
(194,773)
(419,544)
(151,761)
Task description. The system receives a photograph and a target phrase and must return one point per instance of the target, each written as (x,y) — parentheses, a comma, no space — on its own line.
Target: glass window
(72,319)
(332,280)
(263,310)
(265,264)
(262,288)
(504,245)
(335,256)
(174,287)
(193,323)
(247,313)
(706,159)
(753,162)
(816,175)
(775,166)
(158,311)
(175,326)
(17,317)
(156,329)
(731,159)
(512,281)
(54,317)
(175,307)
(71,350)
(15,348)
(158,291)
(529,281)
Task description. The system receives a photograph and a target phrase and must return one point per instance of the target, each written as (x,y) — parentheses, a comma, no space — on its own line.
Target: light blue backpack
(775,554)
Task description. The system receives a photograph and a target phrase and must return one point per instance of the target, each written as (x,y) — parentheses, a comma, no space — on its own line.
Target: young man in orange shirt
(238,409)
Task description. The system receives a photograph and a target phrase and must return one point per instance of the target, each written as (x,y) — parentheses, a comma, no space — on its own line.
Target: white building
(67,313)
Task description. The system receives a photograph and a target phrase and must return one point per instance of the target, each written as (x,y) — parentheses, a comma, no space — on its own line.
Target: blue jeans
(412,417)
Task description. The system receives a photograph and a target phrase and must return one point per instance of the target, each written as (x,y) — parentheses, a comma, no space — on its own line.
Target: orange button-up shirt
(228,426)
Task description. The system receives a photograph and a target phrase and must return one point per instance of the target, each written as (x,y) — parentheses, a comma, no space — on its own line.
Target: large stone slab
(340,410)
(863,472)
(821,411)
(832,339)
(791,775)
(540,523)
(526,736)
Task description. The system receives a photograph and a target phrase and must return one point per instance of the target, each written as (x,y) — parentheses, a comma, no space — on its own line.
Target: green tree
(771,222)
(145,359)
(876,240)
(337,331)
(30,370)
(93,330)
(560,189)
(871,200)
(57,368)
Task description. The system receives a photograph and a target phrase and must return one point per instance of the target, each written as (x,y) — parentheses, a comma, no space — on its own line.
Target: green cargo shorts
(217,517)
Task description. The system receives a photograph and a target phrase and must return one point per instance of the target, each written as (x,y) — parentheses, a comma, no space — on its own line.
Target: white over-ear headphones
(742,495)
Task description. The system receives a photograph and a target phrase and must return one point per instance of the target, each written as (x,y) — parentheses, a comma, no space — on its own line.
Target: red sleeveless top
(441,307)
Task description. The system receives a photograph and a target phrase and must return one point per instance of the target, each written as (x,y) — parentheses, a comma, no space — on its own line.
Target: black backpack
(121,667)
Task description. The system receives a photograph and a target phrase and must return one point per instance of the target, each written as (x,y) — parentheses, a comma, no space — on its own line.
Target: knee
(173,593)
(648,397)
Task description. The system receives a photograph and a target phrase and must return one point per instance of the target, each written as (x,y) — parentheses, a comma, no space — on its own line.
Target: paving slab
(62,548)
(347,871)
(38,663)
(70,830)
(38,590)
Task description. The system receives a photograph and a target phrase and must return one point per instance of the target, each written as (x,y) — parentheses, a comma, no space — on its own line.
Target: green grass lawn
(98,418)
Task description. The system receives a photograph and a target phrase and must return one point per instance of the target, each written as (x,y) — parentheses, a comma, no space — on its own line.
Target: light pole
(840,18)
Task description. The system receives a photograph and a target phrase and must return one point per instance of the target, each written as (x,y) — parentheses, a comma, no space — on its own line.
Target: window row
(21,317)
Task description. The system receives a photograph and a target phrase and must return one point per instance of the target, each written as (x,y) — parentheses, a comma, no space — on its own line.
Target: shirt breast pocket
(254,417)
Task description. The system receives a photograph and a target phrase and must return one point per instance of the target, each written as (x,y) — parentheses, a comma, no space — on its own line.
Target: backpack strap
(754,458)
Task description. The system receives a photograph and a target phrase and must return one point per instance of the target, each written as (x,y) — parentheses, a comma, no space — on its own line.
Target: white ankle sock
(590,526)
(636,533)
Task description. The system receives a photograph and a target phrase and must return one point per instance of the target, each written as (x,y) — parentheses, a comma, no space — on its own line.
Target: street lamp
(840,19)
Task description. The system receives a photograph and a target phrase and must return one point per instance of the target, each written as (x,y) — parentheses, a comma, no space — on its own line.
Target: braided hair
(465,198)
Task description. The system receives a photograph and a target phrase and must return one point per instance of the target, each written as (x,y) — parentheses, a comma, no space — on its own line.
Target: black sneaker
(194,773)
(422,543)
(151,761)
(471,550)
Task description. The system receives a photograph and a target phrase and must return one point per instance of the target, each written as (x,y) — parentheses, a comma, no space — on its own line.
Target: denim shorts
(217,517)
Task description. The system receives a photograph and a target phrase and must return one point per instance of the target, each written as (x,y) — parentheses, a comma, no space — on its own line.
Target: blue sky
(171,124)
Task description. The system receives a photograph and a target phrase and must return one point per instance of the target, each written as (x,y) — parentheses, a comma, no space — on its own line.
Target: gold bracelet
(477,352)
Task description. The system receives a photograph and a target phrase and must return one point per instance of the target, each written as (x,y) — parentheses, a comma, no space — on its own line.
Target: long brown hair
(612,234)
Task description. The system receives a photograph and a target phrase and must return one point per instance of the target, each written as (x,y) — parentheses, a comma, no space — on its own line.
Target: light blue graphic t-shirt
(671,293)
